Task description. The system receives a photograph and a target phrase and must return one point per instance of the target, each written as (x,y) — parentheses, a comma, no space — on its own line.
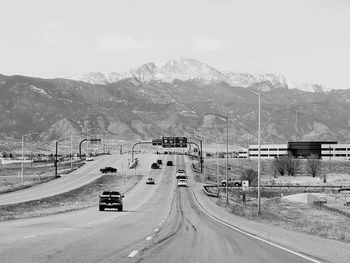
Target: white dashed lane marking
(133,253)
(30,236)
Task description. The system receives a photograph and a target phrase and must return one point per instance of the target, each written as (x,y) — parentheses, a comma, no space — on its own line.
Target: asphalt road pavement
(191,236)
(82,176)
(89,235)
(161,223)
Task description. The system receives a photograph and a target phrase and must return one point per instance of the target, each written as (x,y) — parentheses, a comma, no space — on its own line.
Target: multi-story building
(268,150)
(243,153)
(321,149)
(335,151)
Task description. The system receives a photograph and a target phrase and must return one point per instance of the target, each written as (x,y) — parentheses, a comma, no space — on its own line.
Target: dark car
(108,170)
(155,166)
(150,180)
(111,199)
(159,162)
(169,163)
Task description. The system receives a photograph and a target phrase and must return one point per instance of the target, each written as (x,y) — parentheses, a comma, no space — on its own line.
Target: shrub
(249,175)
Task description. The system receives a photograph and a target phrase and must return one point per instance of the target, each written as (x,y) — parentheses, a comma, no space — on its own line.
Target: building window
(273,149)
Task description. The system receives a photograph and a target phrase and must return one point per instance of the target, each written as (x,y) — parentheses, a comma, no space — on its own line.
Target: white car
(182,182)
(181,174)
(90,158)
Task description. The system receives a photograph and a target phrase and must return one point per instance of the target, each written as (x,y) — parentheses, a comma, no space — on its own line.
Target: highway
(161,223)
(84,175)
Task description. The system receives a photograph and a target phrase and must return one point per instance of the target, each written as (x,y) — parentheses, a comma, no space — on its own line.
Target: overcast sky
(306,40)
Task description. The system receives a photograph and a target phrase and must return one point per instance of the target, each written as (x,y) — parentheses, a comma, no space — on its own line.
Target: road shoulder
(319,248)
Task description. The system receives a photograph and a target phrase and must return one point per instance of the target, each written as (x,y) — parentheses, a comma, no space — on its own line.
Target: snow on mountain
(188,69)
(99,78)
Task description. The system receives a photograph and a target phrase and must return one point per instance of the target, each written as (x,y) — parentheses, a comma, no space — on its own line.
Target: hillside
(133,110)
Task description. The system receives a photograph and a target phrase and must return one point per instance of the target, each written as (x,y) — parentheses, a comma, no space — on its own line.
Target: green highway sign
(157,142)
(174,142)
(94,140)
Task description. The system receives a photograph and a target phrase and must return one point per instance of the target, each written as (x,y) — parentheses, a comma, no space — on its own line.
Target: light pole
(224,117)
(201,153)
(23,152)
(259,152)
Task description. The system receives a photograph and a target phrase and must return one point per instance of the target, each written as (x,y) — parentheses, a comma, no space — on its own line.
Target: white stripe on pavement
(30,236)
(253,236)
(133,253)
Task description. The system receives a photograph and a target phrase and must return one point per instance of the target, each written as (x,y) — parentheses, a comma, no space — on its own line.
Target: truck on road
(111,199)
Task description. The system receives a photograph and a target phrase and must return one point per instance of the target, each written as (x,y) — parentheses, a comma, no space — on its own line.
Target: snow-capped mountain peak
(188,69)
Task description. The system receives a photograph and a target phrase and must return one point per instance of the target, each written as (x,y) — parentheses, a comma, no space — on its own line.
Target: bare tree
(292,165)
(278,165)
(313,165)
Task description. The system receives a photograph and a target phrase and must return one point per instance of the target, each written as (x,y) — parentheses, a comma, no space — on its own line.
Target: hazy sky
(307,40)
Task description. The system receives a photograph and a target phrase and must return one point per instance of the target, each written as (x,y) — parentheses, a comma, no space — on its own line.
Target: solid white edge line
(253,236)
(133,253)
(30,236)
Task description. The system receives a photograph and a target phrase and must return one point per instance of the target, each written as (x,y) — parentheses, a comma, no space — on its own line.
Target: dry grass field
(277,211)
(81,198)
(33,174)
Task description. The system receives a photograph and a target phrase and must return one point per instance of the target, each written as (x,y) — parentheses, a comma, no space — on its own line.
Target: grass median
(84,197)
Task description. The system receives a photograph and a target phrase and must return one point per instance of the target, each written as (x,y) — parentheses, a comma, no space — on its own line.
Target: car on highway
(181,174)
(182,182)
(232,182)
(111,199)
(150,180)
(108,169)
(155,166)
(90,158)
(159,162)
(169,163)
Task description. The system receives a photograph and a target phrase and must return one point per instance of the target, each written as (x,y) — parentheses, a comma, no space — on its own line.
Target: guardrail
(208,193)
(194,168)
(134,164)
(319,187)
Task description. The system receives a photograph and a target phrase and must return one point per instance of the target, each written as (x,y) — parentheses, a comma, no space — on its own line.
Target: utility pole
(71,151)
(56,160)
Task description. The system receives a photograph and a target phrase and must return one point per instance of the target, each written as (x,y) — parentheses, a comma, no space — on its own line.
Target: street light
(224,117)
(201,152)
(259,155)
(23,151)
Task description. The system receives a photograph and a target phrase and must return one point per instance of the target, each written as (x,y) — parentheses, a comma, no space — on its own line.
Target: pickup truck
(111,199)
(232,182)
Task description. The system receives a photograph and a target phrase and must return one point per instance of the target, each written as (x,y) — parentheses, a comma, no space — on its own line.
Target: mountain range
(145,105)
(190,69)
